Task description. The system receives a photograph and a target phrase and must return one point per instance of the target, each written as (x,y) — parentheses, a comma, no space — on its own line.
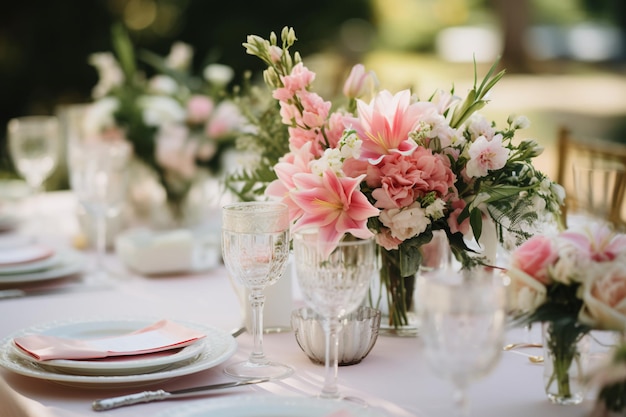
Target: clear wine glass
(255,248)
(462,322)
(34,143)
(333,285)
(98,177)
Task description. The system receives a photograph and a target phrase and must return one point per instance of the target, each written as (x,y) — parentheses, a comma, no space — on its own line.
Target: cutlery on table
(512,346)
(148,396)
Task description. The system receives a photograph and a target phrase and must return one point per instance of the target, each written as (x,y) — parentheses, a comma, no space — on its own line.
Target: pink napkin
(160,336)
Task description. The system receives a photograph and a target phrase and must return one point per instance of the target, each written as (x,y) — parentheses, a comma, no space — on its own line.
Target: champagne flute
(99,176)
(34,143)
(255,248)
(462,322)
(333,285)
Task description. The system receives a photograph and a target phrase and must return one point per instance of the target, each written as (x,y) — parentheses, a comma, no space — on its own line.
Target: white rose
(218,74)
(163,84)
(99,115)
(604,296)
(180,56)
(524,293)
(161,110)
(405,223)
(109,71)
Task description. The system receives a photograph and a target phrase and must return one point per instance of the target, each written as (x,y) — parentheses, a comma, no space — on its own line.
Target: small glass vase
(393,295)
(566,356)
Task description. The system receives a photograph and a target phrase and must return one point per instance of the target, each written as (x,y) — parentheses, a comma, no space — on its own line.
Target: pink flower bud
(360,83)
(199,109)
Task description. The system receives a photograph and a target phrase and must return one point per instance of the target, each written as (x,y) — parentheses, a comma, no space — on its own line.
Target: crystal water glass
(334,285)
(255,248)
(462,322)
(99,177)
(34,145)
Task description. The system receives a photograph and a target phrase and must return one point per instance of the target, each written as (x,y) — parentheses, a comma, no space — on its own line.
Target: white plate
(120,365)
(71,262)
(32,266)
(219,347)
(24,253)
(265,406)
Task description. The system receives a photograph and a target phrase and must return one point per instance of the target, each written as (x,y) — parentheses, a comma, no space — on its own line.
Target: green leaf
(476,221)
(124,51)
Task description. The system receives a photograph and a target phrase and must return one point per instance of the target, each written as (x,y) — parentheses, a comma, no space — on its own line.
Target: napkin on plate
(160,336)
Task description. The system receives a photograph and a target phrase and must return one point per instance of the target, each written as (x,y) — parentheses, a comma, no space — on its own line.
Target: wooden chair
(607,160)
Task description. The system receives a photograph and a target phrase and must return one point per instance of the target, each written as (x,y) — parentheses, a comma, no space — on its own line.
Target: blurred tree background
(44,45)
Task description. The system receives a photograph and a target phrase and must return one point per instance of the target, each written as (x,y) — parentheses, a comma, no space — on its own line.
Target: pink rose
(605,297)
(534,257)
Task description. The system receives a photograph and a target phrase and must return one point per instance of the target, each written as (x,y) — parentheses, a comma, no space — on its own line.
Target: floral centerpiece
(178,123)
(572,282)
(390,164)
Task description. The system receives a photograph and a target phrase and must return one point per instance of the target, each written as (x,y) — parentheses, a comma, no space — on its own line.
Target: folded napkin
(160,336)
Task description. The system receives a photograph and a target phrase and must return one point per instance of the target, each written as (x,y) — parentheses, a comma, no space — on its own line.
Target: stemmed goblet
(462,321)
(255,248)
(333,284)
(34,147)
(99,177)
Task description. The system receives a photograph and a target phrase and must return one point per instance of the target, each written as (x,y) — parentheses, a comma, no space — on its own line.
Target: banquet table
(393,378)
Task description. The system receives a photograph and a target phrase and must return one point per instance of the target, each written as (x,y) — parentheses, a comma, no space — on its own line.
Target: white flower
(330,160)
(109,72)
(218,74)
(524,293)
(180,56)
(519,122)
(163,84)
(436,210)
(405,223)
(486,155)
(569,265)
(161,110)
(99,115)
(350,145)
(480,126)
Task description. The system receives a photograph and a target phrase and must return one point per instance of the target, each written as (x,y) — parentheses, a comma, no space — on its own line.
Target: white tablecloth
(394,376)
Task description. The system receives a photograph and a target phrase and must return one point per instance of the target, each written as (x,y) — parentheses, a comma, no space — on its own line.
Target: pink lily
(385,123)
(333,204)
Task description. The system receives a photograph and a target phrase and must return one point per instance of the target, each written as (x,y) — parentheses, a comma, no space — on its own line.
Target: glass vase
(393,295)
(566,355)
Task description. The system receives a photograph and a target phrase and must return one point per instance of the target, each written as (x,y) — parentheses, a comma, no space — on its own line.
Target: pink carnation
(405,178)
